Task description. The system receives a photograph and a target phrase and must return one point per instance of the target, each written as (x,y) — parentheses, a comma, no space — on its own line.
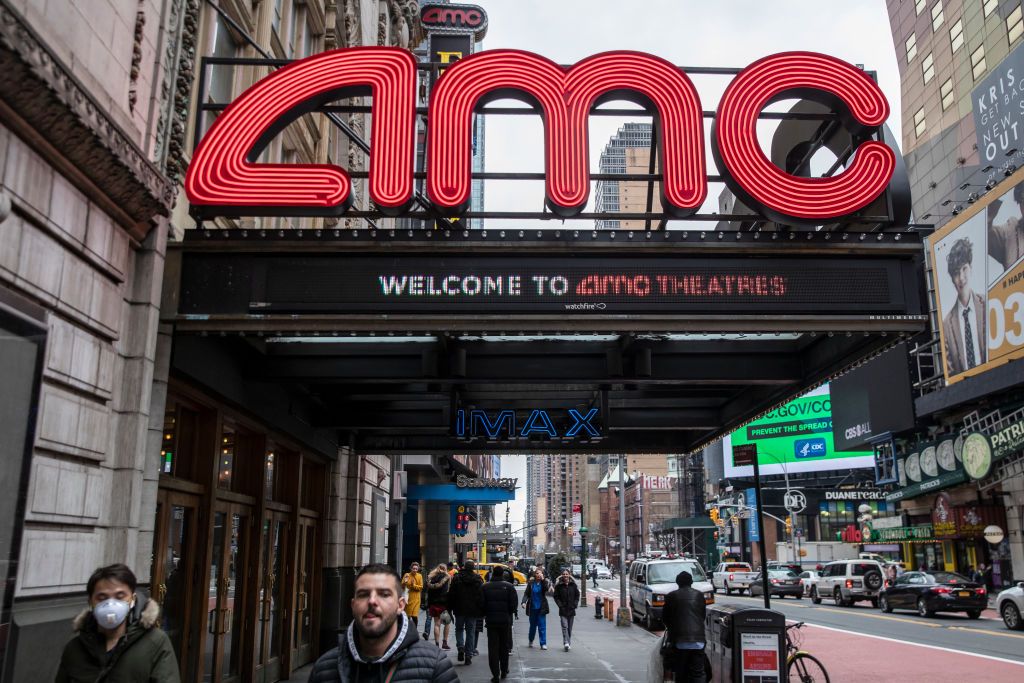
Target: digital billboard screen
(978,272)
(795,437)
(562,284)
(872,399)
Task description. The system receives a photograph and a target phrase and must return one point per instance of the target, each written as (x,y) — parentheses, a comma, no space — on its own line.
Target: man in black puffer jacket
(381,644)
(466,601)
(684,621)
(500,604)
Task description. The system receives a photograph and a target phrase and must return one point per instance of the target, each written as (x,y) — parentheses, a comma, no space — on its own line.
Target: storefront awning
(943,481)
(450,493)
(687,523)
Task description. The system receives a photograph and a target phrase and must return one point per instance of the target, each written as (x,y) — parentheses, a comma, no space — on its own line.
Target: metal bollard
(598,608)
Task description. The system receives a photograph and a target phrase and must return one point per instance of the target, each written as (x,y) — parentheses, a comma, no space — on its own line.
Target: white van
(650,580)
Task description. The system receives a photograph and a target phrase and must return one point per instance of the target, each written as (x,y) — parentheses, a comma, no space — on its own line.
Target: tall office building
(963,143)
(945,51)
(628,151)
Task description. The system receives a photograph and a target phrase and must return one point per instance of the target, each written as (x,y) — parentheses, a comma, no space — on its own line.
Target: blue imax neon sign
(503,425)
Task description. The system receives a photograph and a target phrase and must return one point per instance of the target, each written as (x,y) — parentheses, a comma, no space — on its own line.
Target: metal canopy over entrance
(665,373)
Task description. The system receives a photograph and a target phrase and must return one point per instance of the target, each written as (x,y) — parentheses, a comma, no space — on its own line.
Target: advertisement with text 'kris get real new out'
(795,437)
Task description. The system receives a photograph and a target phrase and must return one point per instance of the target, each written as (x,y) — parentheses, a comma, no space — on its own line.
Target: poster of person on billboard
(978,270)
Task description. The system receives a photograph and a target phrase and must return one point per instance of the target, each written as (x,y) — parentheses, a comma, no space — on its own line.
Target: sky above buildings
(730,33)
(686,32)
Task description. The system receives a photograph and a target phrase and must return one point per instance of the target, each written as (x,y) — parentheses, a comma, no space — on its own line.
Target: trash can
(745,644)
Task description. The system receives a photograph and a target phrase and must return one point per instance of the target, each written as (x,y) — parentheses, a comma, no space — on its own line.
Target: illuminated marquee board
(224,177)
(283,283)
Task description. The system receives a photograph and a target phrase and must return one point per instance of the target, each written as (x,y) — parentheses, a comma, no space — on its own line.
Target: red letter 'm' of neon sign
(764,186)
(223,174)
(566,97)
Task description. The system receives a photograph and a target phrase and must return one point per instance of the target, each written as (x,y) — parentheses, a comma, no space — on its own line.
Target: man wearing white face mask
(118,639)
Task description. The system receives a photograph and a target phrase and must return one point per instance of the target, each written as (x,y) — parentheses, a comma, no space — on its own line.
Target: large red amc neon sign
(224,176)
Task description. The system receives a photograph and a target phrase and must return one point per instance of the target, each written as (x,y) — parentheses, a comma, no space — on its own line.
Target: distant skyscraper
(628,151)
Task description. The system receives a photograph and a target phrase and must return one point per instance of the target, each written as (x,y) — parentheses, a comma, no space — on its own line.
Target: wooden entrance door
(225,601)
(175,573)
(271,627)
(305,591)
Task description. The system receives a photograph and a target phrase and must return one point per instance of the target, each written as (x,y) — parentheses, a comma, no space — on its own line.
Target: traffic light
(460,520)
(716,516)
(789,525)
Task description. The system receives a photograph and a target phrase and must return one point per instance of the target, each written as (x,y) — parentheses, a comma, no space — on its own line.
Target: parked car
(575,571)
(1010,604)
(848,582)
(808,578)
(781,582)
(792,566)
(603,572)
(933,592)
(650,580)
(730,576)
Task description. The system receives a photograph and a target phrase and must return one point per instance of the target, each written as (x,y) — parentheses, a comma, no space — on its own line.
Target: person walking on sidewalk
(567,597)
(381,643)
(466,601)
(500,603)
(438,583)
(683,616)
(536,602)
(413,584)
(118,638)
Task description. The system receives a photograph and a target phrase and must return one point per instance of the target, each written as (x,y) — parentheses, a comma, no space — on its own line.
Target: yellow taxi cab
(518,577)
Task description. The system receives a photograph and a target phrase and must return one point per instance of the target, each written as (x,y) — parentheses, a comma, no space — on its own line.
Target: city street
(851,642)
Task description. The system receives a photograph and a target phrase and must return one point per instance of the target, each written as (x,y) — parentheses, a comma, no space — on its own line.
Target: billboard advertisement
(795,437)
(979,283)
(871,400)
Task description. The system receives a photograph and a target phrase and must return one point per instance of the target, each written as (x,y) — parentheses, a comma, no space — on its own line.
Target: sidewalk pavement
(600,651)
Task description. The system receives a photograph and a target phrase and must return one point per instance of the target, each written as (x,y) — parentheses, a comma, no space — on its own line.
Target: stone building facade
(131,443)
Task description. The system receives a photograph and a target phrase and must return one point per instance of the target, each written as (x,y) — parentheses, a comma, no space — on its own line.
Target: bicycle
(802,667)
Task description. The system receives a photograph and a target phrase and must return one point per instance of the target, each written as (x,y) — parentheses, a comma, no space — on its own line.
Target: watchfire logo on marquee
(225,179)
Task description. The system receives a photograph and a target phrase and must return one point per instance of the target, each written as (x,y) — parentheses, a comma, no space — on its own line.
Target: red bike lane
(849,656)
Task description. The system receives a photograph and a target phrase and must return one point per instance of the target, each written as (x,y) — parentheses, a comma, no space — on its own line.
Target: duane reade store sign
(998,104)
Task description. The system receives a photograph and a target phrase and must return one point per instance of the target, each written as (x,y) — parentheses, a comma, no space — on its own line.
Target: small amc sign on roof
(224,177)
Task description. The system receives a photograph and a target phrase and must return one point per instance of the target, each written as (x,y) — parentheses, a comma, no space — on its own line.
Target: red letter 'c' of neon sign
(566,97)
(761,184)
(223,174)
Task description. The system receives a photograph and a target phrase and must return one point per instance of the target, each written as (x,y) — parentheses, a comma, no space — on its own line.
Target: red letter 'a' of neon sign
(224,177)
(764,187)
(565,97)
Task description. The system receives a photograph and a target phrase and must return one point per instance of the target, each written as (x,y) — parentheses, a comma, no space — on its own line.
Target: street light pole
(583,566)
(624,617)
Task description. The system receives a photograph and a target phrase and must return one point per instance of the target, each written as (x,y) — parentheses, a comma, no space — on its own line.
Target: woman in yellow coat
(413,583)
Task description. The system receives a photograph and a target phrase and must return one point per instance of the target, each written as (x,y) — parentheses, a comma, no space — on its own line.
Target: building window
(919,122)
(275,21)
(911,47)
(222,76)
(946,92)
(937,17)
(1014,24)
(978,62)
(956,35)
(990,6)
(919,6)
(928,68)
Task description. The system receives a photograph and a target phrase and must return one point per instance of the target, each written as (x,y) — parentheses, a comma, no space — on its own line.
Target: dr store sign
(224,177)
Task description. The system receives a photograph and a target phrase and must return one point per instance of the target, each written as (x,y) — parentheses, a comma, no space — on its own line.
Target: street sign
(744,454)
(993,534)
(794,501)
